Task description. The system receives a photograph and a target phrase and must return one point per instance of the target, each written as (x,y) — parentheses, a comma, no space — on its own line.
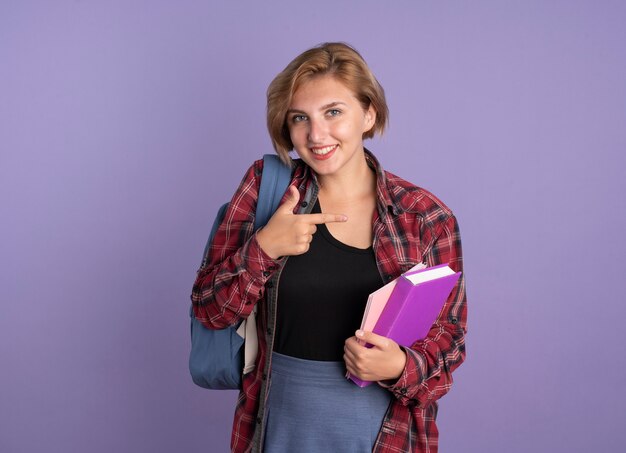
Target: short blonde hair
(333,58)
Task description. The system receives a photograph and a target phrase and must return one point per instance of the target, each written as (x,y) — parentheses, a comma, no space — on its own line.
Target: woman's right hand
(287,233)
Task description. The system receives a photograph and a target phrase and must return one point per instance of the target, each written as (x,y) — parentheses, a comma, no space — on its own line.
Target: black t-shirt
(321,297)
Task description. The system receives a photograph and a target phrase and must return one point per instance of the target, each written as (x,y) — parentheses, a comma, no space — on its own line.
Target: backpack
(219,358)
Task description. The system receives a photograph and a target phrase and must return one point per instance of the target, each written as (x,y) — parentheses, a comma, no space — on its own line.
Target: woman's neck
(357,184)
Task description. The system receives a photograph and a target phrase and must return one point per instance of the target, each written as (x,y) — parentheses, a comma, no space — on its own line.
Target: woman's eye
(334,112)
(298,118)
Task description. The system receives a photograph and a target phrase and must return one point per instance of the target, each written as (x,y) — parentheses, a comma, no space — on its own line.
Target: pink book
(413,306)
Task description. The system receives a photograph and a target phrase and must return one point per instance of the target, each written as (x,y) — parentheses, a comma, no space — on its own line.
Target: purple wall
(124,124)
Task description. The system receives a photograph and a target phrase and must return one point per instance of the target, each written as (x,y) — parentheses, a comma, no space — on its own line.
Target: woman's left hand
(384,361)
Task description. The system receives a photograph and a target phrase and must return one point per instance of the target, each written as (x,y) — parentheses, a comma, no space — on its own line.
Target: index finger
(324,218)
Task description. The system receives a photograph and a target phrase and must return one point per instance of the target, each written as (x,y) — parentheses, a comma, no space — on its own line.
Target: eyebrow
(324,107)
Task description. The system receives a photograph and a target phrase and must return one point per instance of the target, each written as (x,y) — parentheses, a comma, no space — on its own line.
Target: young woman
(345,227)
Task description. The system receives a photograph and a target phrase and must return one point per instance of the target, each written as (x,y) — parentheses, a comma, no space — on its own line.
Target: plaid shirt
(410,226)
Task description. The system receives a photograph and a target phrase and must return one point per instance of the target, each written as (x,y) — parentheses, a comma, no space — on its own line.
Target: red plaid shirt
(410,226)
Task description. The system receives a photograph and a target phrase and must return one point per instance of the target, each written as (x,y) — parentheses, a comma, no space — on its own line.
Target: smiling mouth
(323,150)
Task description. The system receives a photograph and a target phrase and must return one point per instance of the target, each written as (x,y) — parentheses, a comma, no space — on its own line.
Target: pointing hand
(287,233)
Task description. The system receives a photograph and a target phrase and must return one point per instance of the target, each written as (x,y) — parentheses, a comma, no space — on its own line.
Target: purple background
(124,124)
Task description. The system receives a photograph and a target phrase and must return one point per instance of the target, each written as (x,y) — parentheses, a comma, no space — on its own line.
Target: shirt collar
(386,202)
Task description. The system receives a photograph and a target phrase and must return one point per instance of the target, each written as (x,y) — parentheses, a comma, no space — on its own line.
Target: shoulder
(298,168)
(252,182)
(421,214)
(411,199)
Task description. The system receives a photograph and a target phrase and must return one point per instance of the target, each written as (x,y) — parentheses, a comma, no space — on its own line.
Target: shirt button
(304,204)
(389,278)
(266,273)
(454,320)
(403,391)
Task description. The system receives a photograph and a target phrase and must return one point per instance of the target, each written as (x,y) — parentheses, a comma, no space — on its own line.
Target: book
(377,300)
(406,308)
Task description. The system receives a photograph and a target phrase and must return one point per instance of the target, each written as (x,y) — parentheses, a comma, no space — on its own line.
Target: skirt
(313,408)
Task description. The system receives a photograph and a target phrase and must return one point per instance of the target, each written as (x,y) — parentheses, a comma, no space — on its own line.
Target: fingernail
(359,333)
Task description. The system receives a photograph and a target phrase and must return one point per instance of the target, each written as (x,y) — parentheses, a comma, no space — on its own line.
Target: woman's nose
(317,131)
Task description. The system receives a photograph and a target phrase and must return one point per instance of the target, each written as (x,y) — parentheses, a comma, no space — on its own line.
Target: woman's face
(326,124)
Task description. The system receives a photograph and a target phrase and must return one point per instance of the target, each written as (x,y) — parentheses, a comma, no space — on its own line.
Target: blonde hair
(333,58)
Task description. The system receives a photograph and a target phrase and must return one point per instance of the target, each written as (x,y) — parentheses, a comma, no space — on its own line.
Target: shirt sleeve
(430,362)
(233,276)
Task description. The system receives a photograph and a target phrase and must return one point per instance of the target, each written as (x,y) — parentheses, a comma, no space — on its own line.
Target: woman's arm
(427,375)
(422,373)
(234,275)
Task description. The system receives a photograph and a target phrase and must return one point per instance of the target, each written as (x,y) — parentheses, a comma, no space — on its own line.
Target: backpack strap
(275,179)
(274,182)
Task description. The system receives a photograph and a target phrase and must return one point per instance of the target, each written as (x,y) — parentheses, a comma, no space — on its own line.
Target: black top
(322,295)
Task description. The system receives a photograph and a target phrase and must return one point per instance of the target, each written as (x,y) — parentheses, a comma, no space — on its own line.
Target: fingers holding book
(372,357)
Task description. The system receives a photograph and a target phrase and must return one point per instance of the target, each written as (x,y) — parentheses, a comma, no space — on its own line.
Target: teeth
(322,151)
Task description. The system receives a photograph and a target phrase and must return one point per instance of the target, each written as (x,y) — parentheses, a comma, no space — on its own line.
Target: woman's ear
(370,119)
